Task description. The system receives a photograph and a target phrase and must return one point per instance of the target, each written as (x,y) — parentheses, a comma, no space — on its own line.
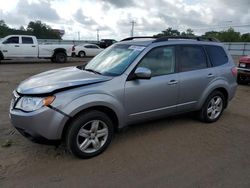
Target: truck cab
(19,46)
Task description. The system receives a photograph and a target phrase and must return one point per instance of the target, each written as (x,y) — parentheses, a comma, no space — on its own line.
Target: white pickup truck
(24,46)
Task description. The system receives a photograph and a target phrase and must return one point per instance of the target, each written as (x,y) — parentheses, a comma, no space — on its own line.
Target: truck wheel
(213,107)
(241,79)
(89,134)
(60,57)
(53,59)
(81,54)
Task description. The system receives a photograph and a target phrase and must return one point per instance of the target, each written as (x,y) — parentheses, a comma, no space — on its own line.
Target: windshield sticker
(138,48)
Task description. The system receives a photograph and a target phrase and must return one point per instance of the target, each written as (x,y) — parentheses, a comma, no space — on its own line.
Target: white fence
(238,48)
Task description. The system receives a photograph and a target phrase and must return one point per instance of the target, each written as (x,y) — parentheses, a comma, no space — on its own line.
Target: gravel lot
(174,152)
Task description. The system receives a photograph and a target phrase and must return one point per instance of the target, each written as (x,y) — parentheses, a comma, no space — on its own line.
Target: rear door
(28,47)
(195,74)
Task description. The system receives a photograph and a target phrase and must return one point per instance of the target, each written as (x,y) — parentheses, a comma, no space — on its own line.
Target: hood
(57,80)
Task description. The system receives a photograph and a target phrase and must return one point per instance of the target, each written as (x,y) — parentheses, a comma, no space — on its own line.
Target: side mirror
(142,73)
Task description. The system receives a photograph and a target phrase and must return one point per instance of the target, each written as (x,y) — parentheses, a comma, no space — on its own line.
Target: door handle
(17,46)
(172,82)
(33,46)
(210,75)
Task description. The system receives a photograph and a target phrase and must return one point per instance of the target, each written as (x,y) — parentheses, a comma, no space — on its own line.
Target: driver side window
(12,40)
(160,60)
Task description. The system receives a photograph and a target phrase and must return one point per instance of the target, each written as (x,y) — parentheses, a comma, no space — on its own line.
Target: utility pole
(79,35)
(133,26)
(97,35)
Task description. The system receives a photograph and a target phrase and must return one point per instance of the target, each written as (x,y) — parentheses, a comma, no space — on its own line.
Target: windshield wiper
(91,70)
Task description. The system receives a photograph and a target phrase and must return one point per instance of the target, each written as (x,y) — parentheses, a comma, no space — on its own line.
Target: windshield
(114,60)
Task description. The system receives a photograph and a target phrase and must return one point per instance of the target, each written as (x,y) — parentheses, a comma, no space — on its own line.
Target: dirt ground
(174,152)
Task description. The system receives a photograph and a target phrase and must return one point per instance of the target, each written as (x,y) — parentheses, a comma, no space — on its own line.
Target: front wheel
(89,134)
(213,107)
(81,54)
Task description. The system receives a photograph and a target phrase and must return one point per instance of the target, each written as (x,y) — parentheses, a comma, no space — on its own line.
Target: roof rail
(142,37)
(166,38)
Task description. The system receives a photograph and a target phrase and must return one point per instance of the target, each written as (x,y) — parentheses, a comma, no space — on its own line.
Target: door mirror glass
(142,73)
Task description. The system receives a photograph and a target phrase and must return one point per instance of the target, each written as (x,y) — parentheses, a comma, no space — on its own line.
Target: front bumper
(43,126)
(244,71)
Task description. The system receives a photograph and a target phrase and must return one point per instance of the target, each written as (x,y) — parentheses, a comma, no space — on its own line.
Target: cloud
(82,19)
(119,3)
(41,10)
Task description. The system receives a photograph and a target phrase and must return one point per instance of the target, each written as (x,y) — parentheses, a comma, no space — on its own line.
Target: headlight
(30,104)
(243,65)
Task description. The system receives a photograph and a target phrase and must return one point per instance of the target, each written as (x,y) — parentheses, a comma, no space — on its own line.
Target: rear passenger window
(27,40)
(192,58)
(217,55)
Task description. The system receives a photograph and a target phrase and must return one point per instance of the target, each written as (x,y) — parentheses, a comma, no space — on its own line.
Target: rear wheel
(89,134)
(81,54)
(213,107)
(60,57)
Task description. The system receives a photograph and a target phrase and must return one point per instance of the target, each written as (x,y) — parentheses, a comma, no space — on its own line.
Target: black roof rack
(161,39)
(142,37)
(166,38)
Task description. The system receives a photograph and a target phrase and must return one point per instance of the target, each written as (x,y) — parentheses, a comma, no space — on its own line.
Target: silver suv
(135,80)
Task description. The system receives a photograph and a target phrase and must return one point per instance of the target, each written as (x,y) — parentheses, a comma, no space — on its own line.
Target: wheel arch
(222,87)
(104,109)
(57,50)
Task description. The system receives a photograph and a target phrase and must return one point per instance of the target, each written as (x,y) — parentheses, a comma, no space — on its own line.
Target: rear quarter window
(216,55)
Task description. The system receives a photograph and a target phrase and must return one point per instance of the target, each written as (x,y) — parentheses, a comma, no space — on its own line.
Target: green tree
(42,31)
(4,29)
(189,33)
(245,37)
(168,32)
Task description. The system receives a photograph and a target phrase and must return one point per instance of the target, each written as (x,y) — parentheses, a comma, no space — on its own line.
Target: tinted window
(192,58)
(27,40)
(88,46)
(160,61)
(217,55)
(12,40)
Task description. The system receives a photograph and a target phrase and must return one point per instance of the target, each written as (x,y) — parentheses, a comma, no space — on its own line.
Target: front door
(11,47)
(159,95)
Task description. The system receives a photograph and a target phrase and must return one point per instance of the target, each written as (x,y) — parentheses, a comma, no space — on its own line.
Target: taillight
(234,71)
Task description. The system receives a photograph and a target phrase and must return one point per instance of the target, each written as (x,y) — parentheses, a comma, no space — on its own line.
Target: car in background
(84,50)
(243,76)
(104,43)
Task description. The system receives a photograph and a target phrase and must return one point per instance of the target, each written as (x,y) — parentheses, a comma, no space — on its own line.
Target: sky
(82,18)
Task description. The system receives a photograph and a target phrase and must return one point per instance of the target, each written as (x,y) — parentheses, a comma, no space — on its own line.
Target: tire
(213,107)
(82,138)
(53,59)
(81,54)
(60,57)
(242,80)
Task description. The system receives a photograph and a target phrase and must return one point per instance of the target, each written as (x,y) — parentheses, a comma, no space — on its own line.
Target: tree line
(229,35)
(36,28)
(44,31)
